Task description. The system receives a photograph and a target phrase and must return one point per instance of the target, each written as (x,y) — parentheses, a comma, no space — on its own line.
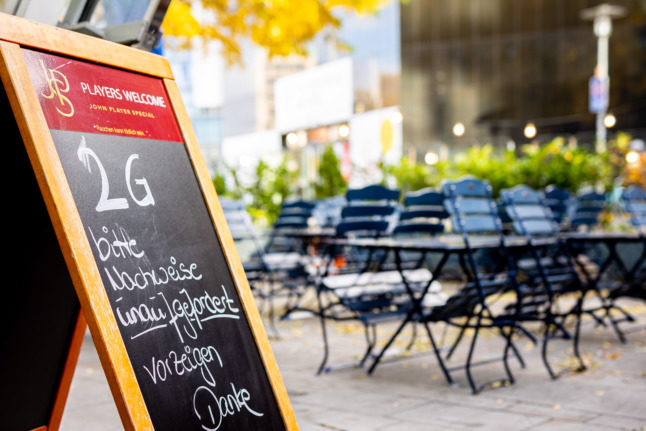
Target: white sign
(375,136)
(319,96)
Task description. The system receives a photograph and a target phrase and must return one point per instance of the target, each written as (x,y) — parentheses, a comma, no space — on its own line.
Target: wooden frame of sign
(149,253)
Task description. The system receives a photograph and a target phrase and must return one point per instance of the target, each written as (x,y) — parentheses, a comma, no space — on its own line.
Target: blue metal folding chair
(473,213)
(634,203)
(634,283)
(548,273)
(584,212)
(557,200)
(270,273)
(353,286)
(294,214)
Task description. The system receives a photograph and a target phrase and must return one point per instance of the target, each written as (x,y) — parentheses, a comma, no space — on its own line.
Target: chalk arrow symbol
(84,153)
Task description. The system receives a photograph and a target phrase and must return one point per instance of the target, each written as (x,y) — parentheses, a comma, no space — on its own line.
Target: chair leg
(565,334)
(458,338)
(326,349)
(413,337)
(513,347)
(467,366)
(377,359)
(272,312)
(629,317)
(546,337)
(447,375)
(529,335)
(615,326)
(371,340)
(577,333)
(505,356)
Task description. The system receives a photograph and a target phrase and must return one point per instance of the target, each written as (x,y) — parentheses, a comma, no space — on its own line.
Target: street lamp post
(601,17)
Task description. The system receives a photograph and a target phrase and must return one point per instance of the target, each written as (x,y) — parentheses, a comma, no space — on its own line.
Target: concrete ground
(411,394)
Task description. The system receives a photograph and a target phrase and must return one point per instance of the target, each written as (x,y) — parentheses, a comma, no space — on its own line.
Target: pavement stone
(412,394)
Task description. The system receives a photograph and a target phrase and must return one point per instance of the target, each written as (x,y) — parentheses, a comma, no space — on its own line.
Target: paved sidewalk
(412,394)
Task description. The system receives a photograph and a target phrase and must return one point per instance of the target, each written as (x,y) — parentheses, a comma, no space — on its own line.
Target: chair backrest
(328,211)
(294,214)
(423,213)
(473,211)
(470,206)
(248,241)
(528,213)
(369,211)
(586,209)
(237,217)
(375,192)
(531,218)
(557,200)
(634,201)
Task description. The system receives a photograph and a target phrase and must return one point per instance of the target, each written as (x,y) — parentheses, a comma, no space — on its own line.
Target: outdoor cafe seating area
(527,267)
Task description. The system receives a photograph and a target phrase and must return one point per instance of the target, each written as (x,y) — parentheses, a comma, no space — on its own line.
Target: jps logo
(58,85)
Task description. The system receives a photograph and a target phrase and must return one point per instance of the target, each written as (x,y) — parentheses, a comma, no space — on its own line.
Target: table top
(454,242)
(604,236)
(449,242)
(308,232)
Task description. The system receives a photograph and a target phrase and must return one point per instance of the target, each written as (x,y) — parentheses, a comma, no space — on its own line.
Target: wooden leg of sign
(68,373)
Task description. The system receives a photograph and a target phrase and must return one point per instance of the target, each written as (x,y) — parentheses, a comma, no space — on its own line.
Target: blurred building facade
(344,93)
(494,66)
(349,100)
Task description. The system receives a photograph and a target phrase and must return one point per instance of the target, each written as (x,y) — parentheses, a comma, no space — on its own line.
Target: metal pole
(602,73)
(602,64)
(601,17)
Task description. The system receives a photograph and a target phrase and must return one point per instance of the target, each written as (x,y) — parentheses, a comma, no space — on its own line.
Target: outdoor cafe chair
(327,212)
(473,214)
(293,282)
(557,200)
(270,273)
(548,273)
(598,259)
(423,213)
(585,210)
(373,291)
(294,214)
(634,204)
(354,285)
(422,216)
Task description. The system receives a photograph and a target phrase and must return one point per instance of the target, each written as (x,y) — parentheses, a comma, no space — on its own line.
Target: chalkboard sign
(151,258)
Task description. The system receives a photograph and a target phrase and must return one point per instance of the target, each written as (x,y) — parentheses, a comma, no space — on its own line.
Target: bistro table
(611,241)
(307,242)
(311,237)
(628,262)
(444,246)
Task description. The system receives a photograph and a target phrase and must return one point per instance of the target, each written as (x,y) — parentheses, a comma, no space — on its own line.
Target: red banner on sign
(86,97)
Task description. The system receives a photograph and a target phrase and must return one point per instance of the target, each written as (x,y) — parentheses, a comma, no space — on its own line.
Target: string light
(458,129)
(632,156)
(530,131)
(609,121)
(431,158)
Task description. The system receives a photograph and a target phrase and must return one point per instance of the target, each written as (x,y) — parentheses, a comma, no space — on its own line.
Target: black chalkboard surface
(168,283)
